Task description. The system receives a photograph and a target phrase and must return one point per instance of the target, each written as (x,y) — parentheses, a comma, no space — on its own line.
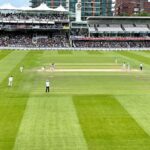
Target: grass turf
(83,111)
(105,128)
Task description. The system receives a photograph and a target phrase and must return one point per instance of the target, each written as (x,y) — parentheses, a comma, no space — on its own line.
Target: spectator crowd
(33,17)
(111,44)
(34,40)
(61,39)
(32,26)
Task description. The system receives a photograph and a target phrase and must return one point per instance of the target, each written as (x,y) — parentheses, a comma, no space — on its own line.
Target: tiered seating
(110,28)
(116,27)
(143,26)
(136,29)
(45,40)
(92,28)
(112,44)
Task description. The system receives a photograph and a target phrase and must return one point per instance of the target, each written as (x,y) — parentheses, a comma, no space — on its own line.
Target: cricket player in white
(124,66)
(141,67)
(43,68)
(128,67)
(10,81)
(47,86)
(52,67)
(21,69)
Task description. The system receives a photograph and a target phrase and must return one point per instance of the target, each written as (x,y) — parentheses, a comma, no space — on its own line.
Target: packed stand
(79,32)
(111,44)
(34,40)
(29,26)
(33,17)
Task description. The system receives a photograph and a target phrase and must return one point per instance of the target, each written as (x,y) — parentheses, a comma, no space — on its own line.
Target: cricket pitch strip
(88,70)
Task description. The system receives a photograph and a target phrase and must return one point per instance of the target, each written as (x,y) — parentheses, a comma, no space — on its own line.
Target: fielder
(128,67)
(21,68)
(52,67)
(43,68)
(124,66)
(141,67)
(10,81)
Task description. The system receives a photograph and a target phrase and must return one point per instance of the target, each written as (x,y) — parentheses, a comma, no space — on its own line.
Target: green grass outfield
(84,110)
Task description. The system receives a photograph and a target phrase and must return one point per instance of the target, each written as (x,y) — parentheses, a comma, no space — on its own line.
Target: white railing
(74,49)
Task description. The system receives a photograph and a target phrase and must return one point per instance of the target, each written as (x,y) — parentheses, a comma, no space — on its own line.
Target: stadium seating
(136,28)
(92,28)
(55,30)
(33,40)
(112,44)
(32,17)
(111,28)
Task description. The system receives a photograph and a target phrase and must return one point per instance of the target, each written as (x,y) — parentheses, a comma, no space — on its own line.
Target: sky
(15,2)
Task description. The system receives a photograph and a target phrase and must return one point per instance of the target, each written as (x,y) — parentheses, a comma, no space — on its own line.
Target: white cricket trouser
(10,83)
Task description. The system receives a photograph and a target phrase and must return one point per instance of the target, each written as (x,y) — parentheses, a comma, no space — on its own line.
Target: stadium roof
(42,7)
(25,8)
(60,8)
(118,19)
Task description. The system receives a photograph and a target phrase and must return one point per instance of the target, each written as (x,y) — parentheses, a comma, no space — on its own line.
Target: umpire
(47,86)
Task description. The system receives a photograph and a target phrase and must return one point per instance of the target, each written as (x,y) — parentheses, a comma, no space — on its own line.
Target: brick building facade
(131,7)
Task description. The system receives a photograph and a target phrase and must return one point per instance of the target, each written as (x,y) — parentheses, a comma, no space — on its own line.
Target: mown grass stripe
(138,107)
(107,125)
(50,123)
(13,100)
(94,52)
(103,122)
(4,53)
(136,57)
(9,62)
(143,53)
(65,52)
(87,83)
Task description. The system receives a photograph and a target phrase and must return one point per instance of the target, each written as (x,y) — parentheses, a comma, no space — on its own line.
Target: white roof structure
(60,8)
(42,7)
(25,8)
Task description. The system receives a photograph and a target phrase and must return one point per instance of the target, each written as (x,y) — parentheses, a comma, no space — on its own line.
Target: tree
(143,14)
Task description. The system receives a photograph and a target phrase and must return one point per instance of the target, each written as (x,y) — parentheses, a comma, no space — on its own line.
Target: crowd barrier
(75,49)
